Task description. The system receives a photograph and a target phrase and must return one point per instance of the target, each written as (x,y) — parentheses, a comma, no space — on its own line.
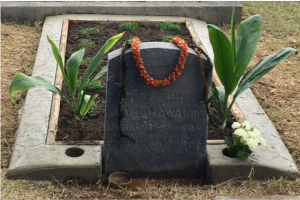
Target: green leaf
(243,154)
(263,67)
(88,102)
(99,74)
(56,53)
(233,33)
(232,151)
(84,103)
(229,141)
(246,42)
(72,67)
(97,59)
(223,58)
(21,83)
(219,94)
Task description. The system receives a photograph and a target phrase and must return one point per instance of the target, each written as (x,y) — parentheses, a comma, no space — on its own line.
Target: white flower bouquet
(244,139)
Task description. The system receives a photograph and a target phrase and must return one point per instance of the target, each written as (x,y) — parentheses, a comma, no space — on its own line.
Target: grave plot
(33,158)
(77,31)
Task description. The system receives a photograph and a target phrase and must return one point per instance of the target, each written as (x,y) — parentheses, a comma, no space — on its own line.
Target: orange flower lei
(135,45)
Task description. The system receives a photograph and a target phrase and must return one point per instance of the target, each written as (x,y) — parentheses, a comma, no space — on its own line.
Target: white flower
(256,131)
(240,132)
(262,141)
(252,143)
(244,139)
(235,125)
(252,134)
(246,125)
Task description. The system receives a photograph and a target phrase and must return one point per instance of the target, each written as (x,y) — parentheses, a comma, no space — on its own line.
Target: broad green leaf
(263,67)
(242,154)
(97,59)
(88,105)
(246,42)
(223,58)
(57,55)
(232,151)
(213,26)
(233,33)
(21,83)
(228,141)
(99,74)
(84,103)
(72,67)
(219,94)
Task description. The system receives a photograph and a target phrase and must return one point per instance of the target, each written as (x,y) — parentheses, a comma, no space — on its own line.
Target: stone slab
(272,197)
(213,12)
(272,162)
(169,124)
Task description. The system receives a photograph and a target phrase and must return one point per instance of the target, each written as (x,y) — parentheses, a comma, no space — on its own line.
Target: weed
(84,43)
(92,112)
(125,26)
(92,31)
(86,61)
(168,26)
(167,38)
(94,85)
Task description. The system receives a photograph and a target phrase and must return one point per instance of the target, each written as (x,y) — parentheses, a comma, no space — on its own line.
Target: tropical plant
(80,105)
(232,57)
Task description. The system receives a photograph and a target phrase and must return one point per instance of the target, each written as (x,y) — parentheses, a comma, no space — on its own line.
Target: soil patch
(147,32)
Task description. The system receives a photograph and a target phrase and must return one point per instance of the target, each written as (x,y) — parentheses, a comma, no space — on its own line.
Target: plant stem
(80,127)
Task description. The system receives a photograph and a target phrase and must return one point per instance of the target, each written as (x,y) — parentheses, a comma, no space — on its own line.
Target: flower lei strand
(135,45)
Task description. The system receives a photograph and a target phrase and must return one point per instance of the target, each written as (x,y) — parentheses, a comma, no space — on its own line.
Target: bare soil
(147,32)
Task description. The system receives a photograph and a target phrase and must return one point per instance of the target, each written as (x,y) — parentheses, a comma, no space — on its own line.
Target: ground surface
(278,93)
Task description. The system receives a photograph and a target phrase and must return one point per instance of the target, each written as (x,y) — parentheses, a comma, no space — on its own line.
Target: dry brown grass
(278,93)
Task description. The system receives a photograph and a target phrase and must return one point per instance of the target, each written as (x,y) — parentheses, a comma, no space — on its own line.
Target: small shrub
(125,26)
(84,43)
(92,31)
(168,26)
(167,38)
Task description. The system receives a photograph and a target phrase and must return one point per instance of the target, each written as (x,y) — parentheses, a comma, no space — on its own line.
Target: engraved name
(144,111)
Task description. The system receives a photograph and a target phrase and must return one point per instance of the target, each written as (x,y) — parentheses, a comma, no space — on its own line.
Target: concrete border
(213,12)
(32,158)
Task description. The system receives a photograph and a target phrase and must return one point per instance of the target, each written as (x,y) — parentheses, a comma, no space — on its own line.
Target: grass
(278,93)
(91,31)
(85,43)
(168,26)
(125,26)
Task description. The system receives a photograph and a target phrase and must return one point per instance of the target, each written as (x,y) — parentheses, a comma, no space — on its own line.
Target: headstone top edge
(150,45)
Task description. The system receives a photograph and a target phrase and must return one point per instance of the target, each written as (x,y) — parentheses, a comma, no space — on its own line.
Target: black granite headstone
(169,124)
